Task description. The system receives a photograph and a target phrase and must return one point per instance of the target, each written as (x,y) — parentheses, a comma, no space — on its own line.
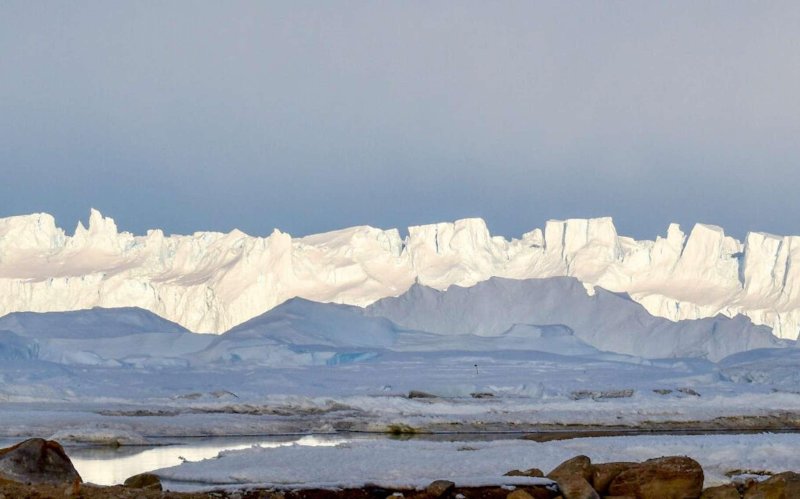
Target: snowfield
(313,367)
(418,463)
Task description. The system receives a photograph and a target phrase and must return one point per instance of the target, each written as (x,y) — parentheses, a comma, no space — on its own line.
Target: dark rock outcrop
(37,461)
(419,394)
(440,488)
(531,472)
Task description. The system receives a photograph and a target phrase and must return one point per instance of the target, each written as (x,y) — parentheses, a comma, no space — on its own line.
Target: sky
(313,116)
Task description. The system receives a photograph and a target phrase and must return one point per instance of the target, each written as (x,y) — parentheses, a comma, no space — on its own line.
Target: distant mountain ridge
(210,282)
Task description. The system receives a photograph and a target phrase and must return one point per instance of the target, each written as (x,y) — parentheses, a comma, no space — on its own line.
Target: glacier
(211,281)
(552,315)
(607,321)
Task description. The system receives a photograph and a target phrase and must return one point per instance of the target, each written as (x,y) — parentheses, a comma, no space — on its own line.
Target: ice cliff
(212,281)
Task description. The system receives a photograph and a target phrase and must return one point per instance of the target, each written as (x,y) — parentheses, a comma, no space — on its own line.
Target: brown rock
(781,486)
(37,461)
(519,494)
(727,491)
(537,492)
(146,481)
(675,477)
(573,476)
(74,489)
(532,472)
(578,465)
(494,492)
(440,488)
(603,473)
(577,488)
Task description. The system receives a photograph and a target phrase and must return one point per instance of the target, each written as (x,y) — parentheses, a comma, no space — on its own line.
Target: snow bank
(98,435)
(416,463)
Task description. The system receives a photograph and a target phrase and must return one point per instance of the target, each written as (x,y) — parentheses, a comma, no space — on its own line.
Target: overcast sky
(312,116)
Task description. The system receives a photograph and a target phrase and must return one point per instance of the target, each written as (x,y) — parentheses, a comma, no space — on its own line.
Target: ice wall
(211,281)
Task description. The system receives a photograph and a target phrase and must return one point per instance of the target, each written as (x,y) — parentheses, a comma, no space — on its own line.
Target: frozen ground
(123,375)
(517,390)
(128,377)
(417,463)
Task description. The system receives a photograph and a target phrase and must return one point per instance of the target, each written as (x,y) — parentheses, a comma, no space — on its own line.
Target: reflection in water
(112,465)
(109,466)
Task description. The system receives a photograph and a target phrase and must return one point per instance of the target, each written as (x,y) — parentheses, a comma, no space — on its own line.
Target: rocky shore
(38,468)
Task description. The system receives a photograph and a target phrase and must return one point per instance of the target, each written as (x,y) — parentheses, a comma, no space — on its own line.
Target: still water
(104,465)
(109,466)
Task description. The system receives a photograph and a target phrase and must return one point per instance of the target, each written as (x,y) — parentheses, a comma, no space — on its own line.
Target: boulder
(727,491)
(74,489)
(576,487)
(440,488)
(495,492)
(781,486)
(604,473)
(531,472)
(519,494)
(146,481)
(674,477)
(37,461)
(578,465)
(573,477)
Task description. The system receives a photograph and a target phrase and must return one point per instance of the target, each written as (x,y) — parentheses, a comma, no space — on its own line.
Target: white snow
(416,463)
(210,282)
(604,320)
(109,435)
(553,315)
(526,377)
(95,377)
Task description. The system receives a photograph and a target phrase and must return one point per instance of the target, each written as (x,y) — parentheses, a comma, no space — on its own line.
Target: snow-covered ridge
(211,281)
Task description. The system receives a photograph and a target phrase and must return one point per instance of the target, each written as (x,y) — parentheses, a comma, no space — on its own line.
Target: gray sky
(312,116)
